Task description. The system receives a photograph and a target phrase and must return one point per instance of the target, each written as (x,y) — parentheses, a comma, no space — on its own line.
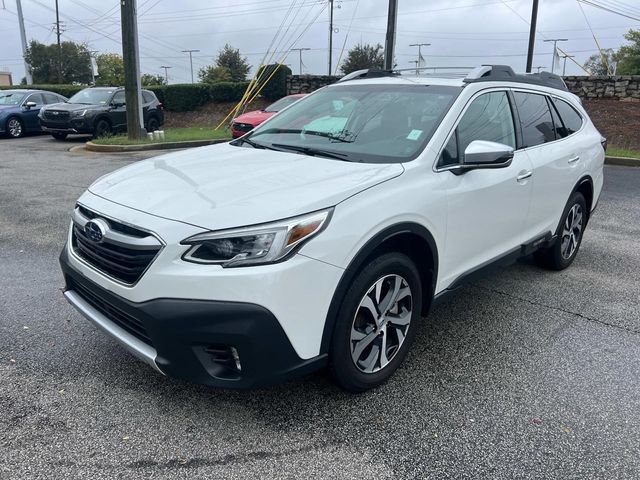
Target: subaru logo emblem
(55,113)
(95,230)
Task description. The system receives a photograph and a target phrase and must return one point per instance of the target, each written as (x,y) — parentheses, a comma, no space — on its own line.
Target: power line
(593,4)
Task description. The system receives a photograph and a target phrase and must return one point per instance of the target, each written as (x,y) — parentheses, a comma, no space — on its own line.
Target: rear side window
(489,118)
(535,119)
(571,119)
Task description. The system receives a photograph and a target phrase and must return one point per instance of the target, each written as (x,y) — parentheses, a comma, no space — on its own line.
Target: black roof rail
(368,73)
(504,73)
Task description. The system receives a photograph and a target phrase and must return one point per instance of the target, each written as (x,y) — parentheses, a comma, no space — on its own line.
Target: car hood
(222,186)
(70,107)
(254,118)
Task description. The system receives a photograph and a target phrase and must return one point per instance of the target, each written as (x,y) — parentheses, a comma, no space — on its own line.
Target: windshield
(280,104)
(360,123)
(11,98)
(91,96)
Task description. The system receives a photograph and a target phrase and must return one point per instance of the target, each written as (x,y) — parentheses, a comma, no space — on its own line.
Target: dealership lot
(526,374)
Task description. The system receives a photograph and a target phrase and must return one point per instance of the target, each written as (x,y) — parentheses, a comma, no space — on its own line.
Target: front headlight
(78,113)
(257,244)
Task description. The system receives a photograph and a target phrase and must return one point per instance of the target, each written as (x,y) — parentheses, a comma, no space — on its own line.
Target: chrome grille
(123,253)
(243,127)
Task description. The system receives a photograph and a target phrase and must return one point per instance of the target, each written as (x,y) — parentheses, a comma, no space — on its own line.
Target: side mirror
(485,154)
(30,104)
(117,104)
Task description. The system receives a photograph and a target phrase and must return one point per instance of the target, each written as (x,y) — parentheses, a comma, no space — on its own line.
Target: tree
(230,58)
(628,56)
(110,70)
(149,79)
(75,66)
(600,64)
(213,74)
(363,56)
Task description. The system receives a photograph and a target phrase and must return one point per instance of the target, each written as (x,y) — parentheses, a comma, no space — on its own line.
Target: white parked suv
(322,237)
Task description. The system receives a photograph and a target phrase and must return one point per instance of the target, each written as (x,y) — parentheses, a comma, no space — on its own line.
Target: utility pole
(131,57)
(59,46)
(300,50)
(417,64)
(564,65)
(330,34)
(390,38)
(190,52)
(555,49)
(166,73)
(540,68)
(532,35)
(23,39)
(419,45)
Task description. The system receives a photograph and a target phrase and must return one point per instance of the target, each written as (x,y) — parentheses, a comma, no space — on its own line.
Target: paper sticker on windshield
(414,134)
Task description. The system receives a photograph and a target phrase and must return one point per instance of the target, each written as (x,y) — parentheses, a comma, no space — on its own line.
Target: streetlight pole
(532,35)
(564,65)
(419,45)
(166,73)
(555,41)
(330,34)
(300,50)
(23,40)
(190,52)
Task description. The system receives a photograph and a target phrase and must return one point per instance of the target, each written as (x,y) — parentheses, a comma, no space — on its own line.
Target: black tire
(59,136)
(568,236)
(357,320)
(153,124)
(102,129)
(14,127)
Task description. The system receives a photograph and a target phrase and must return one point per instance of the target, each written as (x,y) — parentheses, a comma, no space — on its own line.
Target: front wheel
(153,124)
(568,236)
(15,127)
(103,129)
(376,323)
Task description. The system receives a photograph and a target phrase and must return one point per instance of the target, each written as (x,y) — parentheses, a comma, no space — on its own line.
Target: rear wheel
(103,129)
(153,124)
(568,236)
(15,127)
(59,136)
(376,323)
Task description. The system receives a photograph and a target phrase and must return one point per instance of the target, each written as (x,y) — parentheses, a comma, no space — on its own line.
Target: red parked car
(248,121)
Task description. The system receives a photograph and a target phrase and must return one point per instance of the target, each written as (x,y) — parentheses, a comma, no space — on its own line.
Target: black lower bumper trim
(183,331)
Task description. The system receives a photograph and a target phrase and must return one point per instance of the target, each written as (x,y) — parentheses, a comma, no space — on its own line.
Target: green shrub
(65,90)
(277,85)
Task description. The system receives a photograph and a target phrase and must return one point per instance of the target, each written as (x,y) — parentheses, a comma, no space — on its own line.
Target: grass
(621,152)
(170,135)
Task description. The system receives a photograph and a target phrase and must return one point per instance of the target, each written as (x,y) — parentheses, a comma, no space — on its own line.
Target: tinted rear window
(535,119)
(571,119)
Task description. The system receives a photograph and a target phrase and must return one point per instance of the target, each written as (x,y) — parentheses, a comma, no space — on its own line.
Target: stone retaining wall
(621,87)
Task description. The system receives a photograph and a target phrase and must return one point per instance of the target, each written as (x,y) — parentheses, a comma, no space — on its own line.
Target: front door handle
(523,175)
(573,160)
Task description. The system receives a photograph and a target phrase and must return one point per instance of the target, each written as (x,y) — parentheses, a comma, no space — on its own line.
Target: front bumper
(179,335)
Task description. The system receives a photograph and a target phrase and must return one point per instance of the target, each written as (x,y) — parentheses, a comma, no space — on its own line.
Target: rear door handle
(573,160)
(523,175)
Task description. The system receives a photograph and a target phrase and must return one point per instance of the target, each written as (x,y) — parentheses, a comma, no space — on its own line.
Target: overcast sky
(461,32)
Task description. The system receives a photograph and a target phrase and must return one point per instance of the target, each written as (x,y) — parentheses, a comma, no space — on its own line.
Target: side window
(118,97)
(535,119)
(572,120)
(35,97)
(50,98)
(147,97)
(558,126)
(489,118)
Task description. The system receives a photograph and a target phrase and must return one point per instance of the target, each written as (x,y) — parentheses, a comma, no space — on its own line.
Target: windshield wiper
(254,144)
(306,132)
(312,151)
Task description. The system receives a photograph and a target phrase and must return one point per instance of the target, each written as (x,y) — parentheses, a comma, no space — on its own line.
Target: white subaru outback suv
(324,236)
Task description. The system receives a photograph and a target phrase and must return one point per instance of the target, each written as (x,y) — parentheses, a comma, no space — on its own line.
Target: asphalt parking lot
(527,374)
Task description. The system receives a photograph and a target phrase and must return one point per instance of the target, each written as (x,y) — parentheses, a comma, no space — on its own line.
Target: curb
(94,147)
(623,161)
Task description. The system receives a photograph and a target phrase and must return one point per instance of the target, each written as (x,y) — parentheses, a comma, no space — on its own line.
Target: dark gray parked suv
(99,111)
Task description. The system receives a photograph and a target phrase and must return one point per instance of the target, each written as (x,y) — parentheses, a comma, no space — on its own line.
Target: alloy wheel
(14,127)
(571,231)
(380,323)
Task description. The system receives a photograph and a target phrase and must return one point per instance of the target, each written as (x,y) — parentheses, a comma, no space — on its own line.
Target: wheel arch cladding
(585,187)
(411,239)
